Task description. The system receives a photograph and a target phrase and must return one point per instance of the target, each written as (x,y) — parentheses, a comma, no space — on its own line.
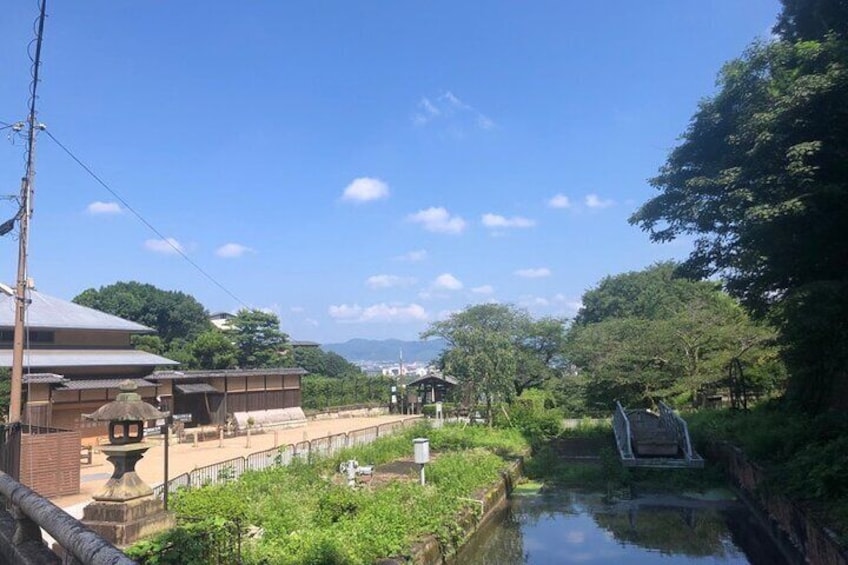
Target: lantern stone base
(124,523)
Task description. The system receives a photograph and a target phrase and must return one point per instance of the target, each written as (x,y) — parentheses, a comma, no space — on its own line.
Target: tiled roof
(48,378)
(85,358)
(434,377)
(48,312)
(226,373)
(86,384)
(195,388)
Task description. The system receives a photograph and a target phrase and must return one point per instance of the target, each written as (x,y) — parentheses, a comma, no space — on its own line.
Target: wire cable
(144,221)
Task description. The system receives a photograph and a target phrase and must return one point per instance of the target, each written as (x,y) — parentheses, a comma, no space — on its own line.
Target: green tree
(171,313)
(662,341)
(257,336)
(214,350)
(482,352)
(327,363)
(761,180)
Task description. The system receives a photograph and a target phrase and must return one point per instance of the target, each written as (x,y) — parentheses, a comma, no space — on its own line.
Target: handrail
(621,428)
(85,545)
(673,421)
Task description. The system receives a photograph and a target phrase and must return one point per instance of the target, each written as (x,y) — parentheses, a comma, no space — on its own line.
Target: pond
(566,526)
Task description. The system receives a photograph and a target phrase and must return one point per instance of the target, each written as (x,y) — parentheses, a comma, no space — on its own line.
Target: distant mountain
(387,350)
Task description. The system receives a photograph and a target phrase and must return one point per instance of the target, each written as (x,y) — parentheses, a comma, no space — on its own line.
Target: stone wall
(818,544)
(50,462)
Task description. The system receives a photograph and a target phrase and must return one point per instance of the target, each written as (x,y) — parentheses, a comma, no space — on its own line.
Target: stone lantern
(126,510)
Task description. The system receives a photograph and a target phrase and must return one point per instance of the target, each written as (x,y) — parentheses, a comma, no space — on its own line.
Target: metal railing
(283,455)
(672,421)
(621,427)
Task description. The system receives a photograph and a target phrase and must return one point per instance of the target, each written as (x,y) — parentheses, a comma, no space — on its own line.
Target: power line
(141,218)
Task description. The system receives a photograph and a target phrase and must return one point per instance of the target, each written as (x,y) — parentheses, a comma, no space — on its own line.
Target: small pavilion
(433,386)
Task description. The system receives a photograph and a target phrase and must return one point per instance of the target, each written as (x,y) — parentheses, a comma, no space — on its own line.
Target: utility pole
(24,215)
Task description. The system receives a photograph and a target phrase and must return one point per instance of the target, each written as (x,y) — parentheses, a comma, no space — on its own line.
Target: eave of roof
(225,373)
(50,313)
(115,383)
(55,358)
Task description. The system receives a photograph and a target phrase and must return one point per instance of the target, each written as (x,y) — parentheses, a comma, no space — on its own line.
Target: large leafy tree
(327,363)
(761,180)
(173,314)
(497,351)
(258,339)
(647,336)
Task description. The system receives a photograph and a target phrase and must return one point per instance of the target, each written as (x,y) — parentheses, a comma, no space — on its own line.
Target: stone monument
(126,510)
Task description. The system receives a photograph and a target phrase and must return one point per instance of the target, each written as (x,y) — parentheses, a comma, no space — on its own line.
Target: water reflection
(571,527)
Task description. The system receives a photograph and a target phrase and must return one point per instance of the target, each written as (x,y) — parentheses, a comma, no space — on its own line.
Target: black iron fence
(10,449)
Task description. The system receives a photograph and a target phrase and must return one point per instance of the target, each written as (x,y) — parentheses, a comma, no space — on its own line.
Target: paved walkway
(185,457)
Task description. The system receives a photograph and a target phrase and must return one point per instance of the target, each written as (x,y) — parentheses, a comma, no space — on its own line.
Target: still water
(571,527)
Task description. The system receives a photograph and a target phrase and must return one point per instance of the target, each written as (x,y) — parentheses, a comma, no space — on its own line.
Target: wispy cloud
(167,246)
(388,281)
(498,221)
(485,289)
(413,256)
(595,201)
(383,313)
(438,220)
(539,273)
(297,309)
(365,189)
(450,109)
(447,281)
(104,208)
(559,201)
(233,250)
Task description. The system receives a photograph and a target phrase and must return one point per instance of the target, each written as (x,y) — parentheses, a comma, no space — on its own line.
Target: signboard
(182,417)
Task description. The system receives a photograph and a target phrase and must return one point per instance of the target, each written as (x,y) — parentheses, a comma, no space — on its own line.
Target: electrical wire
(144,221)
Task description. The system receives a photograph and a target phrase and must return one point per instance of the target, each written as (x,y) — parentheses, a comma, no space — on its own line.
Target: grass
(308,515)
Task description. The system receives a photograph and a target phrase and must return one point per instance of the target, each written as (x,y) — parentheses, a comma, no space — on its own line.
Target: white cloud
(529,301)
(297,309)
(168,246)
(484,289)
(454,112)
(98,207)
(439,220)
(447,281)
(392,313)
(366,189)
(232,250)
(498,221)
(413,256)
(533,273)
(595,201)
(559,201)
(388,281)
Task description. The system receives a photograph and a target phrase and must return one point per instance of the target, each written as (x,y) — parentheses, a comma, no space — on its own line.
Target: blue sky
(360,168)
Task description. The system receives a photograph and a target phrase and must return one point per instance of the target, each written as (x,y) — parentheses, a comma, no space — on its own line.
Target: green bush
(532,413)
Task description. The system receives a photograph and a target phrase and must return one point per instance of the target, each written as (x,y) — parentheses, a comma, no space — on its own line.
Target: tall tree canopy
(496,351)
(171,313)
(258,339)
(761,180)
(647,336)
(316,361)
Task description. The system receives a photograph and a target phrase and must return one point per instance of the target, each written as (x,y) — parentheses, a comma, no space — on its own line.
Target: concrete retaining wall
(818,544)
(430,552)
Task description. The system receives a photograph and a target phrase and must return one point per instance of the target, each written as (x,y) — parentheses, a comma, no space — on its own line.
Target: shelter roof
(48,312)
(85,358)
(195,388)
(434,378)
(43,378)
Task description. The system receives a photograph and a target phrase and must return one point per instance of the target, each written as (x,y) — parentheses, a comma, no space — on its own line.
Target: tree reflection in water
(571,527)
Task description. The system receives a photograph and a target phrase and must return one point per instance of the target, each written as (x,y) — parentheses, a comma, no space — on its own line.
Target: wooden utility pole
(24,215)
